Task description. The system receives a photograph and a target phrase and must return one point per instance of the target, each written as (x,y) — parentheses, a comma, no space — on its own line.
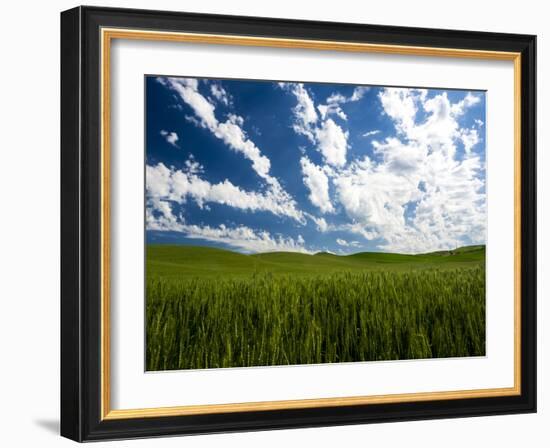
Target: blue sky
(258,166)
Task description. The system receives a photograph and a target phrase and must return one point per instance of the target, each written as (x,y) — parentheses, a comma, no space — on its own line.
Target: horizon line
(320,252)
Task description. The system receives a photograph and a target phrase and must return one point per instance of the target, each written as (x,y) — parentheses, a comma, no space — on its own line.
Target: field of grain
(210,308)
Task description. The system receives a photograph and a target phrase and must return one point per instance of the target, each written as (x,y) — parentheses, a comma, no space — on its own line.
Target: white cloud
(171,137)
(374,199)
(305,108)
(416,196)
(330,140)
(387,198)
(187,89)
(168,184)
(331,109)
(193,120)
(192,166)
(317,183)
(400,106)
(160,217)
(236,119)
(247,239)
(468,101)
(413,194)
(333,142)
(370,133)
(304,111)
(220,94)
(321,223)
(230,131)
(439,130)
(356,228)
(338,98)
(358,93)
(334,102)
(342,242)
(470,138)
(400,158)
(232,134)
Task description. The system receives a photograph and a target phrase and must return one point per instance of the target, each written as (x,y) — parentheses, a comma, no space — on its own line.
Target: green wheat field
(213,308)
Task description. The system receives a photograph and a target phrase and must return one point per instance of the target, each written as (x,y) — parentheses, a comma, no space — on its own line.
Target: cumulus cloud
(317,182)
(233,135)
(344,243)
(417,191)
(304,111)
(161,218)
(335,101)
(417,195)
(331,109)
(330,139)
(171,137)
(230,131)
(247,239)
(464,104)
(374,198)
(401,106)
(187,90)
(177,186)
(358,93)
(470,138)
(219,93)
(333,142)
(320,222)
(338,98)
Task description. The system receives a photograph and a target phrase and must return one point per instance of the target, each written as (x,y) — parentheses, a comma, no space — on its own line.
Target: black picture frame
(81,224)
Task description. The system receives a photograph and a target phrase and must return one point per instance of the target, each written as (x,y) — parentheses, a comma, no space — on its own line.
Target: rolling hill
(177,261)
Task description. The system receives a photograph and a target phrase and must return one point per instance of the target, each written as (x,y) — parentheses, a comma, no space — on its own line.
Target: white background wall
(29,224)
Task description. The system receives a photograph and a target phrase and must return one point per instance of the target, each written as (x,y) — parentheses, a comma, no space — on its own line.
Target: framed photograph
(274,223)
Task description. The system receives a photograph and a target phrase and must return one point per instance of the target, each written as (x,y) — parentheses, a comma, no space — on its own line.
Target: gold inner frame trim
(107,35)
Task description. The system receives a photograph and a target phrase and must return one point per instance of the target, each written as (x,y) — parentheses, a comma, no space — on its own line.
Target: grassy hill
(172,262)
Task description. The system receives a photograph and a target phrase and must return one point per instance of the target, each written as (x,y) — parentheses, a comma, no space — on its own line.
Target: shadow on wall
(51,426)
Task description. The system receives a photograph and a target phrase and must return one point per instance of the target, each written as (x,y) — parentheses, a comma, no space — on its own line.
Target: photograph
(273,222)
(297,223)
